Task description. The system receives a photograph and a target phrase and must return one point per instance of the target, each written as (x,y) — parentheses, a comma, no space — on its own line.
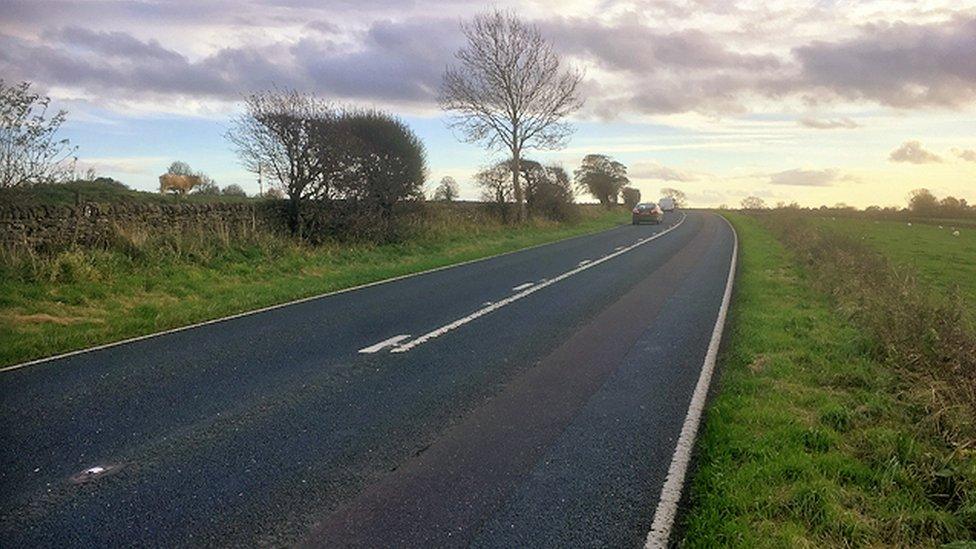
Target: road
(531,399)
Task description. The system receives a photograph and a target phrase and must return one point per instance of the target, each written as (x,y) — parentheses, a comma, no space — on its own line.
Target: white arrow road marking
(392,342)
(521,287)
(512,299)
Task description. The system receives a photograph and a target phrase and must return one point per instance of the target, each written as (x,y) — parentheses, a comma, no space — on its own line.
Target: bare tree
(679,197)
(509,91)
(30,152)
(447,189)
(753,203)
(280,134)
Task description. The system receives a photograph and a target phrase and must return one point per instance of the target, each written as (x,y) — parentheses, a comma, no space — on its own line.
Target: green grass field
(943,261)
(83,298)
(808,441)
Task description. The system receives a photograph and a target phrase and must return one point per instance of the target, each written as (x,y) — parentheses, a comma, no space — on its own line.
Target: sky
(827,102)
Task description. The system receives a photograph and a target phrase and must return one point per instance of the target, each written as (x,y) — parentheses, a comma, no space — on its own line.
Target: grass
(942,261)
(146,283)
(811,441)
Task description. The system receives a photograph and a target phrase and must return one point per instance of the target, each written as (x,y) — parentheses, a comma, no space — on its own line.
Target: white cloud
(912,152)
(656,170)
(809,178)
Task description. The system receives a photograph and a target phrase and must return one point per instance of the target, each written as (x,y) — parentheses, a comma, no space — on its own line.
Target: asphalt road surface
(531,399)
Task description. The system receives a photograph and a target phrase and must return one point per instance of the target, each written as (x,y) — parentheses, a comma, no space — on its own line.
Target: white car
(666,204)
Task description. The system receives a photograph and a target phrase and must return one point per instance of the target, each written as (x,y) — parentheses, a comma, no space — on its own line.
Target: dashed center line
(586,264)
(521,287)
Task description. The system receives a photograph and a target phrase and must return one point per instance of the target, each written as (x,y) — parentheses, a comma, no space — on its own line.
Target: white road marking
(392,342)
(667,506)
(521,287)
(498,305)
(618,248)
(584,262)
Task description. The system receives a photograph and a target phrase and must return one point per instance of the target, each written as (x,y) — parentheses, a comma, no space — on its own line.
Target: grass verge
(811,440)
(145,283)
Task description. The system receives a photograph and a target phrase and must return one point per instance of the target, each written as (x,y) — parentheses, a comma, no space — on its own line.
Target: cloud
(399,61)
(966,154)
(912,151)
(809,178)
(900,65)
(654,170)
(827,123)
(137,165)
(702,56)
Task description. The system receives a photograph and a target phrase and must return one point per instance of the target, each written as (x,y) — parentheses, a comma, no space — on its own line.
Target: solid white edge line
(384,344)
(286,304)
(498,305)
(667,506)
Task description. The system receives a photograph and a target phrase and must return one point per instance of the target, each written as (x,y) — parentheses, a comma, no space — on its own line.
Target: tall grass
(927,336)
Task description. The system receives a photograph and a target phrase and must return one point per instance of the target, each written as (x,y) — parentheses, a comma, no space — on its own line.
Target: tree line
(921,202)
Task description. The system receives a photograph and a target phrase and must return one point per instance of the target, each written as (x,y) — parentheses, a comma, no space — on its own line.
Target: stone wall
(45,227)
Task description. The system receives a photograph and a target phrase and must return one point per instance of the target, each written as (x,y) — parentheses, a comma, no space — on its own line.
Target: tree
(553,195)
(180,168)
(509,91)
(285,133)
(233,190)
(631,196)
(602,177)
(380,160)
(447,190)
(30,152)
(680,199)
(207,185)
(951,206)
(753,203)
(496,185)
(923,202)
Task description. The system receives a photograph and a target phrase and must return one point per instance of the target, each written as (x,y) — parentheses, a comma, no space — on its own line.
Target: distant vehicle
(667,204)
(647,211)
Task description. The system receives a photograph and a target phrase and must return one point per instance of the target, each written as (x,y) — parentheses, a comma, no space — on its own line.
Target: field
(147,283)
(811,440)
(942,261)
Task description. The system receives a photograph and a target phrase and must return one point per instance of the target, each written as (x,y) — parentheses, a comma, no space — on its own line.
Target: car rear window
(645,206)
